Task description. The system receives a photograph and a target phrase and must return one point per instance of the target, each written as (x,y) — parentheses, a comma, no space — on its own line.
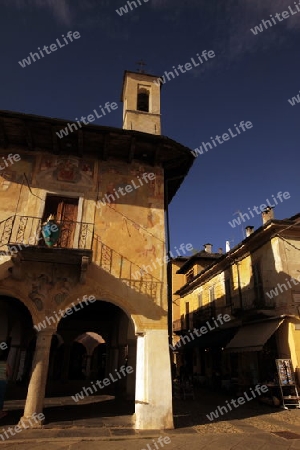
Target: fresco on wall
(66,172)
(13,182)
(7,177)
(114,176)
(132,224)
(17,172)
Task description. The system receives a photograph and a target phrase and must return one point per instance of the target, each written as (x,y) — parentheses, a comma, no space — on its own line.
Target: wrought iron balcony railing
(186,322)
(22,231)
(177,325)
(251,302)
(26,230)
(204,314)
(124,269)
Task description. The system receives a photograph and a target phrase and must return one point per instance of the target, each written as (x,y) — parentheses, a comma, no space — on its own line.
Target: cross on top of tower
(141,63)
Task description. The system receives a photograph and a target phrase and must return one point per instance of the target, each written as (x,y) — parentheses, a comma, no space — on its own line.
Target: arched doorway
(16,330)
(92,362)
(97,341)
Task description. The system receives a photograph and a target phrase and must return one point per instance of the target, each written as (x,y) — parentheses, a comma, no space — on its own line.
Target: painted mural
(68,172)
(137,218)
(20,172)
(132,225)
(13,179)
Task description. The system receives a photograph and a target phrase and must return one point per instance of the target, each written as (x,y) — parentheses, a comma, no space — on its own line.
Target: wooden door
(66,216)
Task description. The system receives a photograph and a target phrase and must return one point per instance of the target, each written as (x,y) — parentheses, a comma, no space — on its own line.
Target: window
(200,300)
(296,300)
(228,292)
(257,280)
(190,275)
(143,100)
(212,304)
(187,315)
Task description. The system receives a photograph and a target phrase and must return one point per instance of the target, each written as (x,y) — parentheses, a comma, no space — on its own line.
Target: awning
(252,338)
(217,338)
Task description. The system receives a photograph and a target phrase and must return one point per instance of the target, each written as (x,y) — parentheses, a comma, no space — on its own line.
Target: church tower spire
(141,102)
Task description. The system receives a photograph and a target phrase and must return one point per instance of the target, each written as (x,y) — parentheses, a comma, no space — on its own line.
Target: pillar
(13,360)
(121,384)
(95,363)
(130,379)
(113,356)
(21,364)
(37,384)
(52,358)
(88,367)
(153,394)
(66,362)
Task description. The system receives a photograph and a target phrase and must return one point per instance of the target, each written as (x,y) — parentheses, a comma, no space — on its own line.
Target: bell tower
(141,102)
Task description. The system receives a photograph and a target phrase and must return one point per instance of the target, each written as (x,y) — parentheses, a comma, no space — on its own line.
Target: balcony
(204,314)
(128,272)
(177,325)
(251,302)
(24,231)
(186,322)
(21,239)
(77,244)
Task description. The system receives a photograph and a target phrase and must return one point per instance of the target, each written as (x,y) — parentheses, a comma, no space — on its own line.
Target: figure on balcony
(50,231)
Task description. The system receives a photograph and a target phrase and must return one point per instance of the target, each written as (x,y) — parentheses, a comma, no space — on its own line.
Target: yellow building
(247,300)
(80,213)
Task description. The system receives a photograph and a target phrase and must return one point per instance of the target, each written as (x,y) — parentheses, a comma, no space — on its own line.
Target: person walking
(4,374)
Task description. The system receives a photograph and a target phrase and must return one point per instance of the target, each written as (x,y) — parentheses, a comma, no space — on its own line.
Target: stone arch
(16,330)
(83,338)
(112,327)
(59,339)
(91,341)
(13,292)
(137,306)
(15,334)
(106,296)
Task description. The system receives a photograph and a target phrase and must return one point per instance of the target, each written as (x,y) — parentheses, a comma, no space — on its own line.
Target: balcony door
(65,210)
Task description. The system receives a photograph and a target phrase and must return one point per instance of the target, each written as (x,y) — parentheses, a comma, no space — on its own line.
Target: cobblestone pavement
(178,442)
(250,417)
(252,426)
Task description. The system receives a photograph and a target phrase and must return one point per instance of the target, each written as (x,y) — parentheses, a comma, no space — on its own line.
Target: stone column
(95,362)
(130,379)
(88,367)
(52,358)
(21,363)
(113,357)
(66,362)
(153,393)
(37,384)
(13,360)
(121,384)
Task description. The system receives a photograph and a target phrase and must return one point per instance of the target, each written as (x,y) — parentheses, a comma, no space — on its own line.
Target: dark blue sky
(250,79)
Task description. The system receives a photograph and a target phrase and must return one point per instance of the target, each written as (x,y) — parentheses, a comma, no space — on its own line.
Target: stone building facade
(107,190)
(257,285)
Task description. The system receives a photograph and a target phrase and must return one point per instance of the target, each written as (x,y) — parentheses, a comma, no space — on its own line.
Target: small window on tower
(143,100)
